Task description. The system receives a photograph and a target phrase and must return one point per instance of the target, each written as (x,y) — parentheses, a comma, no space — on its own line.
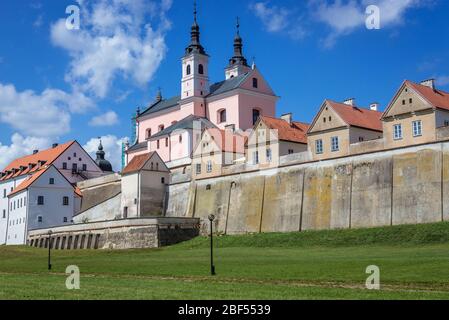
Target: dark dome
(104,164)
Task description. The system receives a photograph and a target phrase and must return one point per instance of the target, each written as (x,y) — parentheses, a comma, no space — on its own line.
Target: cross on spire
(194,10)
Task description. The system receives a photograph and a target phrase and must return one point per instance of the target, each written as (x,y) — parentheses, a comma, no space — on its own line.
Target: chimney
(287,117)
(35,151)
(374,106)
(230,127)
(429,83)
(350,102)
(55,145)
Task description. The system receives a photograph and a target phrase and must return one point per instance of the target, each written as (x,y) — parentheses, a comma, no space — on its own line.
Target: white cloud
(39,21)
(19,147)
(109,118)
(279,19)
(45,114)
(341,16)
(115,40)
(112,146)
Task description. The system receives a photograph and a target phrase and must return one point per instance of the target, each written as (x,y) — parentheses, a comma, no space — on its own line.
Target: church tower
(237,64)
(195,66)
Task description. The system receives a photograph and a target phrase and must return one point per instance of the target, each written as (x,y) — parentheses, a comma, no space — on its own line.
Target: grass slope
(413,261)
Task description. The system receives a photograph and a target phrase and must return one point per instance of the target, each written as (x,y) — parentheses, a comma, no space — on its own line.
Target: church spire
(195,45)
(238,58)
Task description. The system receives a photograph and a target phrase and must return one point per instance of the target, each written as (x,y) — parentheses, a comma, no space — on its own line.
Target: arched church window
(256,115)
(189,70)
(222,116)
(201,69)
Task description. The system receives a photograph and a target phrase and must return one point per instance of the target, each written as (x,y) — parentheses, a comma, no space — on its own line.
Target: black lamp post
(212,267)
(49,249)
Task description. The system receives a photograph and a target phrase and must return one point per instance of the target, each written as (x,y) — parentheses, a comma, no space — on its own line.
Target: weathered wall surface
(402,186)
(118,234)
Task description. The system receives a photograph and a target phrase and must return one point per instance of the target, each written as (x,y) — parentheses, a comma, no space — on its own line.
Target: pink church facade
(172,127)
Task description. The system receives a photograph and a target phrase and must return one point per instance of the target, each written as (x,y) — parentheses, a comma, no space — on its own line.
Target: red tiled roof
(48,156)
(29,181)
(437,98)
(358,117)
(294,132)
(137,163)
(33,177)
(228,141)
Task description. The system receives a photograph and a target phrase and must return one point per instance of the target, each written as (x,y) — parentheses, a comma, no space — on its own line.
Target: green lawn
(414,264)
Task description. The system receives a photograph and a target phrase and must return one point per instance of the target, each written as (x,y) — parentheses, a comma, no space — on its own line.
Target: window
(166,142)
(255,83)
(255,157)
(335,145)
(40,200)
(84,167)
(222,116)
(198,168)
(158,144)
(74,155)
(330,119)
(65,220)
(291,151)
(324,120)
(180,138)
(417,128)
(148,134)
(209,166)
(4,193)
(161,127)
(74,167)
(163,180)
(256,115)
(410,100)
(40,219)
(403,102)
(201,69)
(64,166)
(125,212)
(446,123)
(52,181)
(397,131)
(269,155)
(4,214)
(188,70)
(361,139)
(319,146)
(65,201)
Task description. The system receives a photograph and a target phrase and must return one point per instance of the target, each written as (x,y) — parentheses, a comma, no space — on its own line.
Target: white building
(38,191)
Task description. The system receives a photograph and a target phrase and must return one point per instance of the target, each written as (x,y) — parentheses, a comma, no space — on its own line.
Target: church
(172,126)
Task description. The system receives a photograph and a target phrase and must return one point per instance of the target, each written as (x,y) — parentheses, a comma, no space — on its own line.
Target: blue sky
(58,84)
